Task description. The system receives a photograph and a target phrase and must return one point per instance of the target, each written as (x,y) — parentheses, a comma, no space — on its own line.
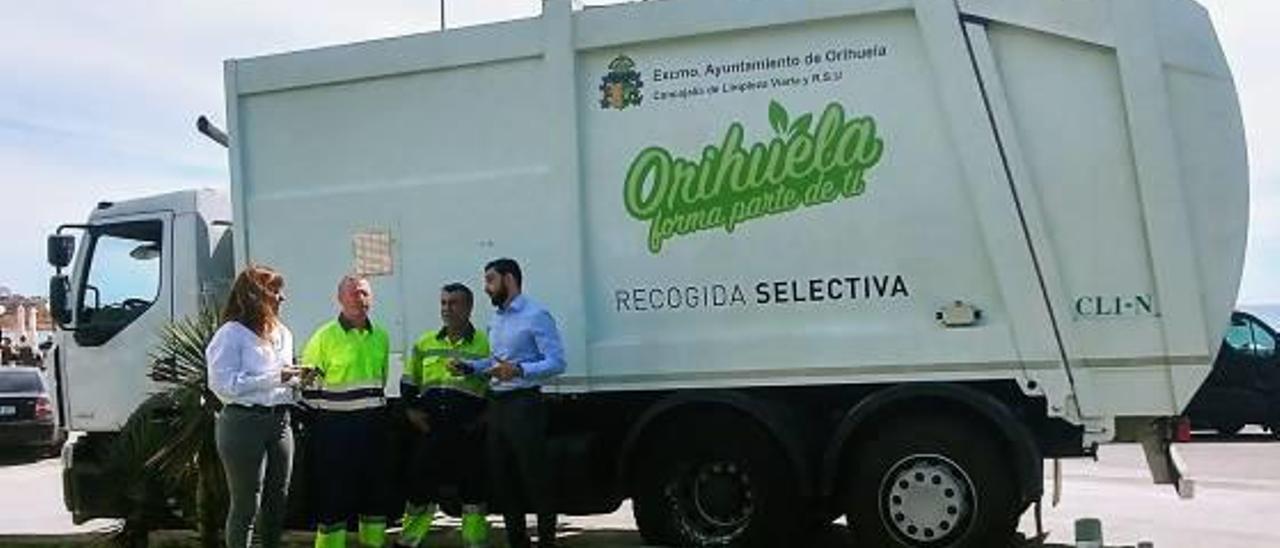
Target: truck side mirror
(60,249)
(59,288)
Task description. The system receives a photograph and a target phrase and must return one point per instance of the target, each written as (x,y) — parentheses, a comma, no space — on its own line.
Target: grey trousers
(519,470)
(256,448)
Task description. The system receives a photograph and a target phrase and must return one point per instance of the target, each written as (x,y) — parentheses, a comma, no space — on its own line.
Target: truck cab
(130,269)
(1244,387)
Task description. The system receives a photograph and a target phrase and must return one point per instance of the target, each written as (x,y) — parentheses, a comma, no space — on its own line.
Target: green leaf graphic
(778,117)
(801,125)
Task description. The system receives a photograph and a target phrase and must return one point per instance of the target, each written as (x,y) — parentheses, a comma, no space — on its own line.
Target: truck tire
(931,481)
(716,480)
(822,517)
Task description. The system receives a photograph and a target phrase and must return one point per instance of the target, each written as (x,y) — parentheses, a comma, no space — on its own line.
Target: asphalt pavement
(1237,503)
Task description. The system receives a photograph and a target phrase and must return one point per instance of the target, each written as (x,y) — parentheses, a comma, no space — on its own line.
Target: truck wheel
(720,480)
(931,481)
(822,517)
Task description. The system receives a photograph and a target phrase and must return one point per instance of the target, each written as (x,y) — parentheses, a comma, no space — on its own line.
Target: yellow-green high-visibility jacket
(429,358)
(354,363)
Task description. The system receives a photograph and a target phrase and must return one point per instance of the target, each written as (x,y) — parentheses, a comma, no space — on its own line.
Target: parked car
(26,412)
(1244,387)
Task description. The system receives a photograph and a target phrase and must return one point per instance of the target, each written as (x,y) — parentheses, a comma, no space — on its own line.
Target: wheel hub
(722,494)
(715,500)
(927,499)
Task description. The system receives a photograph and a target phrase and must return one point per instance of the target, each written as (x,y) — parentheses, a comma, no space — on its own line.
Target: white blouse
(245,369)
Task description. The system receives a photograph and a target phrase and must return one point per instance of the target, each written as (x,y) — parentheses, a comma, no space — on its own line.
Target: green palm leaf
(166,450)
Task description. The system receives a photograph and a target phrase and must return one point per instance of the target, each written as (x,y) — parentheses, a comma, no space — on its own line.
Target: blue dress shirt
(524,333)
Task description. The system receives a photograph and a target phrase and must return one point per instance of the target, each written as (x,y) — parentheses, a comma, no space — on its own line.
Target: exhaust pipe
(203,125)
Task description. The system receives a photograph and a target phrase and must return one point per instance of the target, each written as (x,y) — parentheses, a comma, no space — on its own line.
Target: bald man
(349,434)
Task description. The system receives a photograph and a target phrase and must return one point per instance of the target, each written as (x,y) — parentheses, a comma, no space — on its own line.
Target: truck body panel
(1092,213)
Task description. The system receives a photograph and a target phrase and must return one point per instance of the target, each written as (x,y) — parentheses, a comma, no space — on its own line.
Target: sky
(98,101)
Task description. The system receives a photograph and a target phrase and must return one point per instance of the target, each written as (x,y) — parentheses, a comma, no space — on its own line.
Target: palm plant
(166,451)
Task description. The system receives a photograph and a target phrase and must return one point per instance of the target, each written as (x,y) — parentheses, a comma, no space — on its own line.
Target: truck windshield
(122,280)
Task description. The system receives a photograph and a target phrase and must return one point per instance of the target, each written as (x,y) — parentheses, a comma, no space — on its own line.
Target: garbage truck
(868,258)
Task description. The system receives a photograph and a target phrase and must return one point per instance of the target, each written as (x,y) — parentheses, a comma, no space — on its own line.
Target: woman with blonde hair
(250,370)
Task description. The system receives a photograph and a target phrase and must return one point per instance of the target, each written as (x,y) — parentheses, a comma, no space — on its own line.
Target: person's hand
(309,374)
(418,418)
(289,372)
(505,370)
(459,367)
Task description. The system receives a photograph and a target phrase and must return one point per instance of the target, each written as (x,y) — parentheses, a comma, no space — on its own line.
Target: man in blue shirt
(525,351)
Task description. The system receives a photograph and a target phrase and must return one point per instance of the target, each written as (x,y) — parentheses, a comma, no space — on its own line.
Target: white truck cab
(137,265)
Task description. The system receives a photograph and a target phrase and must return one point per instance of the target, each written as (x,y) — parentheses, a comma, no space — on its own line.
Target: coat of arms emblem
(621,86)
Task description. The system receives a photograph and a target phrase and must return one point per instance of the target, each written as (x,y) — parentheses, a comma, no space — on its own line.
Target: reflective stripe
(450,353)
(347,405)
(342,396)
(348,387)
(348,397)
(460,388)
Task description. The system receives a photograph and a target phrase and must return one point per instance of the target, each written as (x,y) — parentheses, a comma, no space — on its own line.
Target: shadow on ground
(10,456)
(833,536)
(1245,437)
